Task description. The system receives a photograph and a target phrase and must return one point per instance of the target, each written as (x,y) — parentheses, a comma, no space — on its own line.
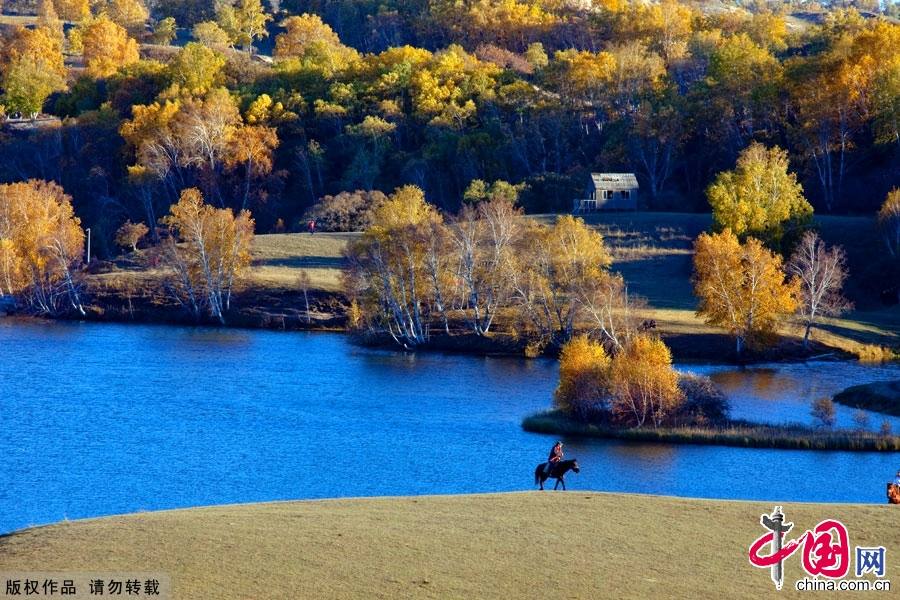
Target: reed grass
(735,433)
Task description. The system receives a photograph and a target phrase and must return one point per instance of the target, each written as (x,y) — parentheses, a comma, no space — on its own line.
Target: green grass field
(520,545)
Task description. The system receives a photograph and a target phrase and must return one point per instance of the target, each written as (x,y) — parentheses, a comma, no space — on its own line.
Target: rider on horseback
(556,455)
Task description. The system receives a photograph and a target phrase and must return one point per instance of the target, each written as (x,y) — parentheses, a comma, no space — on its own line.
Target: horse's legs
(563,481)
(542,484)
(557,484)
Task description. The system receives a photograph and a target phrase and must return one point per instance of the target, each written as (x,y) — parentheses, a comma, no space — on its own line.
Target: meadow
(516,545)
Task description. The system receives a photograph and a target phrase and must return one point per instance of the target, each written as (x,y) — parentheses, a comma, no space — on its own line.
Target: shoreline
(410,497)
(878,396)
(280,310)
(741,434)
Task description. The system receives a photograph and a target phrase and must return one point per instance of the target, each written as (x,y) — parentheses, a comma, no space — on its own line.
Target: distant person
(897,479)
(311,226)
(556,455)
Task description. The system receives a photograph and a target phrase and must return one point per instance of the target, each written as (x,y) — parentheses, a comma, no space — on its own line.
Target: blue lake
(98,419)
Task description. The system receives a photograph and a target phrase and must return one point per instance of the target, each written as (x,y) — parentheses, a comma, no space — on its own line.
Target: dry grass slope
(522,545)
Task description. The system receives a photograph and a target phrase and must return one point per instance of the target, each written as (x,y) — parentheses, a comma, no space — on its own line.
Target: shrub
(347,211)
(643,384)
(823,411)
(583,372)
(704,403)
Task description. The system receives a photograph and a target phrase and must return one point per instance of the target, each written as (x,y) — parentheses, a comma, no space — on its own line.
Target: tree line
(536,93)
(203,251)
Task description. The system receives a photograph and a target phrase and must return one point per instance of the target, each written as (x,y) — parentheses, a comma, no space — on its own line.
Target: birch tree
(821,273)
(741,287)
(207,250)
(41,244)
(388,272)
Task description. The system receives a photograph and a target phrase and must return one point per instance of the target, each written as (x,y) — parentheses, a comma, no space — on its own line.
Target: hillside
(521,545)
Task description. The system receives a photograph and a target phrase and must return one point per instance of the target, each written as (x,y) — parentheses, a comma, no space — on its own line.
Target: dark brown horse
(558,472)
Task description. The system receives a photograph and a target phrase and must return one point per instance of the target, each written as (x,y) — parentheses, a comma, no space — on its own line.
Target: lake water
(99,419)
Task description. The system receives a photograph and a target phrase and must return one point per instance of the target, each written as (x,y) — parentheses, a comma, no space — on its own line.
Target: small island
(738,433)
(878,396)
(631,392)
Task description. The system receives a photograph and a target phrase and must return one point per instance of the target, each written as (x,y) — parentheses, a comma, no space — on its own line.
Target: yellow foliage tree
(389,271)
(583,375)
(107,47)
(41,243)
(557,266)
(207,251)
(251,148)
(129,234)
(243,20)
(32,68)
(130,14)
(759,197)
(301,32)
(73,10)
(742,287)
(643,384)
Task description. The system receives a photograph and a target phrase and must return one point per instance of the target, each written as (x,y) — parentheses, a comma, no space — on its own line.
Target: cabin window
(626,194)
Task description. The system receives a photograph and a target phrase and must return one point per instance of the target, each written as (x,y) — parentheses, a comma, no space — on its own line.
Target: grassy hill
(521,545)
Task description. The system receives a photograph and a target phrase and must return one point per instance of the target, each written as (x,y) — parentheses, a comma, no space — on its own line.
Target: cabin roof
(614,181)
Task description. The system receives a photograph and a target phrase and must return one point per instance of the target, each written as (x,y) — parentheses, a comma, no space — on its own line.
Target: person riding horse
(556,455)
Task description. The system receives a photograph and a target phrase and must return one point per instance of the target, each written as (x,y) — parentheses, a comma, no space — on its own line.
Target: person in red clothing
(556,455)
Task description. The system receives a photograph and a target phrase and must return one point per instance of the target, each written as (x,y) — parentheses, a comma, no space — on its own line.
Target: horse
(558,472)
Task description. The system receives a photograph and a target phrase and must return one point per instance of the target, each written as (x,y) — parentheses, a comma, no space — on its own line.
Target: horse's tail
(537,475)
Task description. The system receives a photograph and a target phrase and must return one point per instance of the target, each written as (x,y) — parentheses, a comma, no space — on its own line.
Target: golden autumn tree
(760,197)
(207,251)
(243,20)
(129,234)
(73,10)
(32,68)
(583,375)
(130,14)
(211,35)
(556,267)
(196,69)
(301,33)
(251,149)
(107,47)
(388,272)
(643,384)
(41,244)
(742,287)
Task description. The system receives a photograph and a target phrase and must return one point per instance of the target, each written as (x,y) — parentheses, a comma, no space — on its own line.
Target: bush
(583,371)
(704,403)
(643,384)
(347,211)
(823,411)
